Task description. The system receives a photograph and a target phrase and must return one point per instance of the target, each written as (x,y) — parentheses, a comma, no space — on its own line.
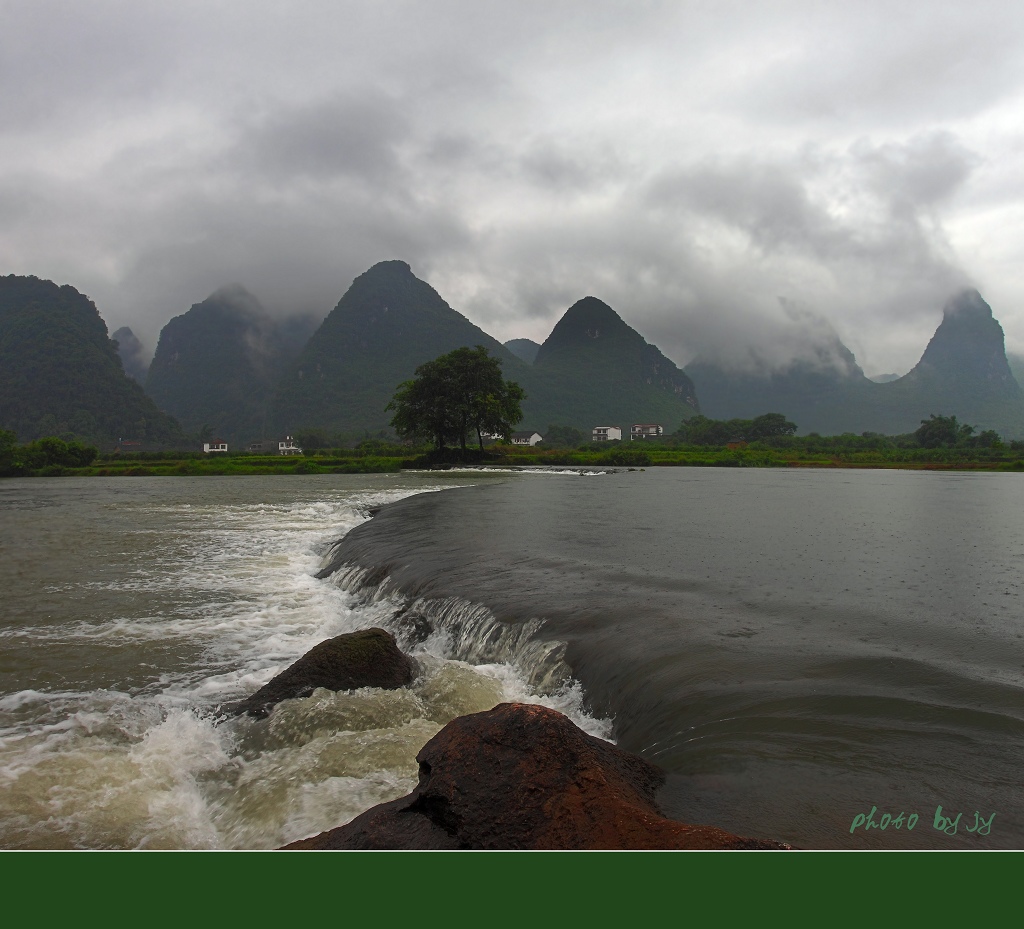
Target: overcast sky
(730,177)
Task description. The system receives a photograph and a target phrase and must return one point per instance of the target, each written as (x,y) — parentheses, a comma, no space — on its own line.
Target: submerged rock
(368,658)
(525,777)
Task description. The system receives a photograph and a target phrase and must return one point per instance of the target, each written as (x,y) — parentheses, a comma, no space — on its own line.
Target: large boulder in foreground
(368,658)
(525,777)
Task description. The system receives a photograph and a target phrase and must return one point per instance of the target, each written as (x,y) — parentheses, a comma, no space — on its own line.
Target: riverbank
(651,455)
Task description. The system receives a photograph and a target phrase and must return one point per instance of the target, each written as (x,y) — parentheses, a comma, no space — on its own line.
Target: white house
(526,438)
(607,434)
(215,445)
(287,446)
(645,431)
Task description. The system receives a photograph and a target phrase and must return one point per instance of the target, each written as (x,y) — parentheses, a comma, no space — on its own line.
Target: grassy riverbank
(649,455)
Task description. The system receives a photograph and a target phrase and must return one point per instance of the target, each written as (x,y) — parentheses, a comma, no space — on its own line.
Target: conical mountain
(594,369)
(967,355)
(524,349)
(387,324)
(963,372)
(216,365)
(60,373)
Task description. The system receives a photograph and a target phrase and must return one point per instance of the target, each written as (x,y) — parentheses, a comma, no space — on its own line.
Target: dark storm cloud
(356,135)
(704,168)
(872,204)
(711,259)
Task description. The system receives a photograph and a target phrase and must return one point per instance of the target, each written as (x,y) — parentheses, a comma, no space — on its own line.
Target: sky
(739,181)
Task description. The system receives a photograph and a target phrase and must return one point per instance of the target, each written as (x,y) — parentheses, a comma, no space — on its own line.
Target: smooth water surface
(794,647)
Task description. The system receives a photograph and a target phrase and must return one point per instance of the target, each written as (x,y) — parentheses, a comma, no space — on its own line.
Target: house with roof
(645,431)
(215,446)
(606,434)
(287,446)
(526,438)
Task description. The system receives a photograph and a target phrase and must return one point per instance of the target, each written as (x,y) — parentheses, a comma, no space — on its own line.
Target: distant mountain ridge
(389,322)
(228,367)
(963,372)
(61,373)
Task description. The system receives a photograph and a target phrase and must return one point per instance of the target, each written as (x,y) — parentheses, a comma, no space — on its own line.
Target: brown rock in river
(368,658)
(525,777)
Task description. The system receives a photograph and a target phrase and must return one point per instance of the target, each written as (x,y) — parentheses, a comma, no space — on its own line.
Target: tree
(455,394)
(768,426)
(942,432)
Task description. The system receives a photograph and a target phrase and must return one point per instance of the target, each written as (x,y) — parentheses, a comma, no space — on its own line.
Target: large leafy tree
(769,426)
(455,395)
(942,432)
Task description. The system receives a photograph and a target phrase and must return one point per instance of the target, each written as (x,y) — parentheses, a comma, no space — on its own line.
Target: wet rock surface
(368,658)
(525,777)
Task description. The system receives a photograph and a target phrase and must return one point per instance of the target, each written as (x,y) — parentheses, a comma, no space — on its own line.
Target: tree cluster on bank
(775,431)
(700,430)
(46,455)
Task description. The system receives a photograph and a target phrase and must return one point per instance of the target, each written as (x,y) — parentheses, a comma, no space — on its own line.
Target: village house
(526,438)
(607,434)
(215,446)
(287,446)
(645,431)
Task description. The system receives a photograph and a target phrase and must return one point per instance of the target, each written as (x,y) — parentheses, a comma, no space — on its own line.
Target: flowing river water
(794,648)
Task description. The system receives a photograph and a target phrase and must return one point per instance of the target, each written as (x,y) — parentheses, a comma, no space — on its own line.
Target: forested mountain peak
(587,321)
(595,369)
(385,325)
(968,349)
(60,373)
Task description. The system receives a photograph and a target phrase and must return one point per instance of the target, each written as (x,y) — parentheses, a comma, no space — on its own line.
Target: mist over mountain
(133,354)
(821,391)
(216,366)
(963,372)
(524,349)
(60,373)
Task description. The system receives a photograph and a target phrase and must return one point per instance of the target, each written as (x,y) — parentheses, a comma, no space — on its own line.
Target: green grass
(647,454)
(250,464)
